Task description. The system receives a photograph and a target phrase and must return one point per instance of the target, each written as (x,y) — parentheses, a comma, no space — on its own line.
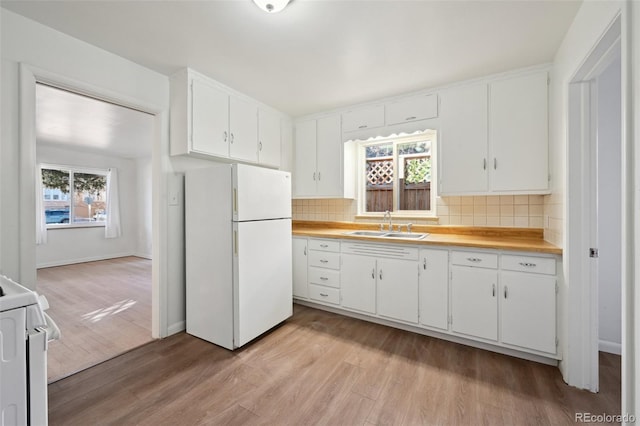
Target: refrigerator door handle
(235,200)
(235,242)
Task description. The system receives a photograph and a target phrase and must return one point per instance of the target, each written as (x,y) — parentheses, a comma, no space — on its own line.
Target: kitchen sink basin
(382,234)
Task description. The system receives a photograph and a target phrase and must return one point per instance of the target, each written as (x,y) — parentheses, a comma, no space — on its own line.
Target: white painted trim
(84,260)
(143,256)
(160,163)
(610,347)
(176,328)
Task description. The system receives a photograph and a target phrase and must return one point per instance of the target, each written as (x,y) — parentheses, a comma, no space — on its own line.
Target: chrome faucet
(388,214)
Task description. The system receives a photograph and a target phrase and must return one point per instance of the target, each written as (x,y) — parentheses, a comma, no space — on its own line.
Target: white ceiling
(74,121)
(318,54)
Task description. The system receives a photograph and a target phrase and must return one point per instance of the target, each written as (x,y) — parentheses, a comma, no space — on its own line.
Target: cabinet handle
(324,261)
(495,163)
(484,164)
(424,263)
(324,245)
(493,290)
(364,126)
(324,295)
(260,145)
(231,139)
(305,251)
(314,175)
(474,259)
(409,118)
(373,273)
(528,265)
(505,291)
(318,175)
(380,273)
(224,135)
(324,278)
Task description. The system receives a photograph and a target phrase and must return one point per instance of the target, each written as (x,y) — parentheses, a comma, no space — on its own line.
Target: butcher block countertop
(520,239)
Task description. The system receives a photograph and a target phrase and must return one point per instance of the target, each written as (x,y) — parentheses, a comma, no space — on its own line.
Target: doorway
(595,259)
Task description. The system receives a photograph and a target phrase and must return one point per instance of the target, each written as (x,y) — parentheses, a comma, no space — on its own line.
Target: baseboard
(83,260)
(176,328)
(610,347)
(143,256)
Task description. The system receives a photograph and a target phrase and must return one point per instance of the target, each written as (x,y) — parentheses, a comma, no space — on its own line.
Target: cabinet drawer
(324,294)
(324,245)
(323,259)
(411,109)
(538,265)
(324,276)
(477,259)
(363,118)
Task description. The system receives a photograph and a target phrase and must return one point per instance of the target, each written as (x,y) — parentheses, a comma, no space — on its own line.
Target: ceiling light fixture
(271,6)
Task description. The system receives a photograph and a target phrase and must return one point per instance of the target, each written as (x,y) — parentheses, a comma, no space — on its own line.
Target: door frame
(581,230)
(29,76)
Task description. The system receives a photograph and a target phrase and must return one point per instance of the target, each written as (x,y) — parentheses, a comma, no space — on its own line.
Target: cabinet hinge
(593,252)
(450,319)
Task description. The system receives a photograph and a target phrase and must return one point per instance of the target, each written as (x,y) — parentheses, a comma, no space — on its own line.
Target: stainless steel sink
(413,236)
(382,234)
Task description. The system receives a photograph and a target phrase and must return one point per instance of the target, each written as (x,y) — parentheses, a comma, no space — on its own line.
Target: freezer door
(260,193)
(262,277)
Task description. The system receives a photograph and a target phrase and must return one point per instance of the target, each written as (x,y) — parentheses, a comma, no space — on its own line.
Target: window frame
(72,170)
(430,135)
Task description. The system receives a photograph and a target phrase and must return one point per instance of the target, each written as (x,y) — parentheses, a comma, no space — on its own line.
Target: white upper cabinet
(411,108)
(269,138)
(209,120)
(363,118)
(329,156)
(494,137)
(463,140)
(304,174)
(518,131)
(243,130)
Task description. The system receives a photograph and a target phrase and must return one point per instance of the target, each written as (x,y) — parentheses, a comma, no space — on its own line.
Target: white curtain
(112,225)
(41,219)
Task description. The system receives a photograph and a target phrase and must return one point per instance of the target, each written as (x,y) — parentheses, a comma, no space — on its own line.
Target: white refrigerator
(238,252)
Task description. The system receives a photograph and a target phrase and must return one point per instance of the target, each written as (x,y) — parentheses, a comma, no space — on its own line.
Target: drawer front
(538,265)
(324,294)
(477,259)
(324,245)
(323,276)
(323,259)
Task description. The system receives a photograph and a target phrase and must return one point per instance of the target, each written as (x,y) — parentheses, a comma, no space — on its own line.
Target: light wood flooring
(323,368)
(103,309)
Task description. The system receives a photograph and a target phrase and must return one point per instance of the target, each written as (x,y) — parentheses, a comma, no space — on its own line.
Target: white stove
(24,332)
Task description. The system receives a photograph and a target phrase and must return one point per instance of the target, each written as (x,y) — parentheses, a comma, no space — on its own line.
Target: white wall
(66,246)
(609,213)
(143,247)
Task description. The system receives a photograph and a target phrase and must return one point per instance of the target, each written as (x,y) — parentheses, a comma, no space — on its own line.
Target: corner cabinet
(209,120)
(494,137)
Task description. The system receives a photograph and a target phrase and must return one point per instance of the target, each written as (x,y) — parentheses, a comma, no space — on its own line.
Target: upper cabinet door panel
(268,138)
(411,109)
(363,118)
(329,160)
(243,128)
(209,119)
(304,173)
(463,140)
(519,133)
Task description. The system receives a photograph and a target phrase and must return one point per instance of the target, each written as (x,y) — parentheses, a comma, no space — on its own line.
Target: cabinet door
(528,311)
(243,128)
(411,108)
(209,119)
(519,133)
(300,287)
(363,118)
(434,286)
(358,282)
(462,140)
(268,138)
(398,289)
(474,303)
(304,166)
(329,157)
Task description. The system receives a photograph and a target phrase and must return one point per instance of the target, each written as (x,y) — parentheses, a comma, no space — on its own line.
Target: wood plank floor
(102,308)
(323,368)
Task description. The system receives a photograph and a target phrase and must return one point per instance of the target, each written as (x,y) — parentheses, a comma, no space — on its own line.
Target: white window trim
(75,169)
(405,214)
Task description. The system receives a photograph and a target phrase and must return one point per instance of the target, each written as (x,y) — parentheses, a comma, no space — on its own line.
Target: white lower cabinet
(433,267)
(398,289)
(474,302)
(300,284)
(358,282)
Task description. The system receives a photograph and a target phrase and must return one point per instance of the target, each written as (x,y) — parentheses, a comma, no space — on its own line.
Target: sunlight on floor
(114,309)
